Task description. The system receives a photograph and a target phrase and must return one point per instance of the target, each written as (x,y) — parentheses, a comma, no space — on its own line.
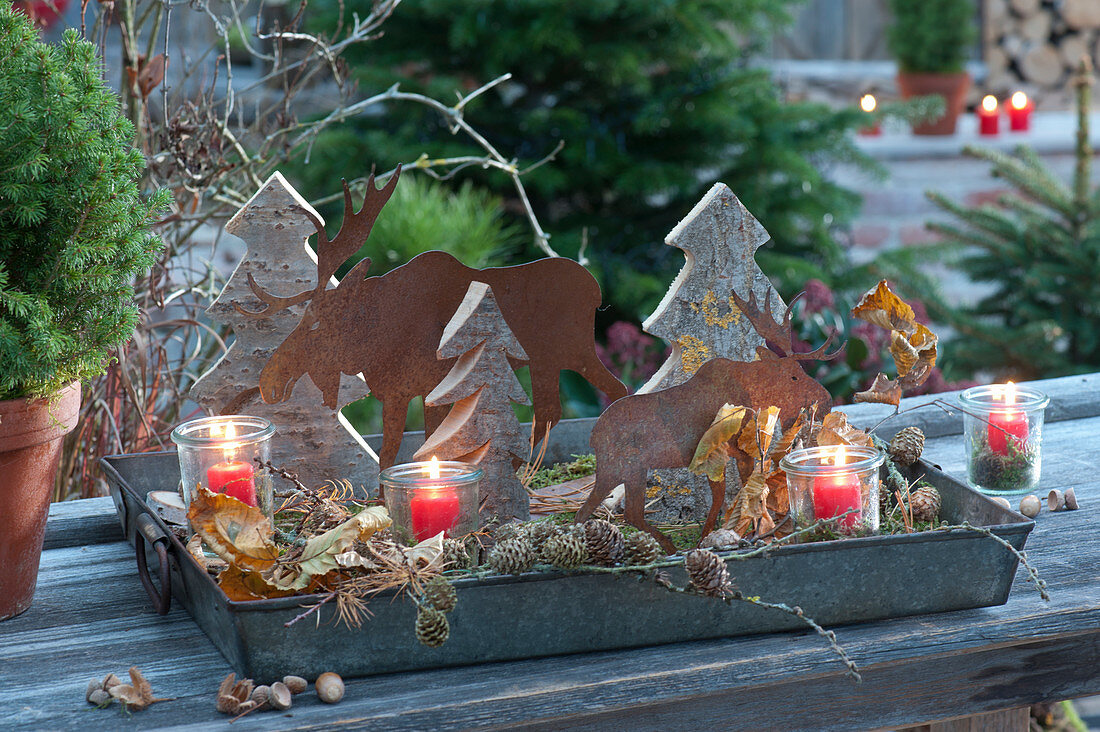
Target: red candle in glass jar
(988,116)
(836,494)
(232,477)
(1007,427)
(868,103)
(433,508)
(1019,112)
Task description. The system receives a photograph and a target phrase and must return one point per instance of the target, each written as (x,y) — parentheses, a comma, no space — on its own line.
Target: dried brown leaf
(786,441)
(130,696)
(320,552)
(240,585)
(712,453)
(883,308)
(883,391)
(835,430)
(779,499)
(749,509)
(756,438)
(238,533)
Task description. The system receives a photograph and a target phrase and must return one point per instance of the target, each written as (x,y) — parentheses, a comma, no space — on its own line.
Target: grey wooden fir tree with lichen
(699,320)
(312,440)
(481,427)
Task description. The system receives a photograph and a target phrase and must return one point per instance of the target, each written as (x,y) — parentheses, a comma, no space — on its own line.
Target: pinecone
(440,594)
(539,531)
(707,572)
(455,554)
(924,502)
(432,628)
(513,556)
(511,530)
(907,446)
(565,550)
(641,548)
(604,540)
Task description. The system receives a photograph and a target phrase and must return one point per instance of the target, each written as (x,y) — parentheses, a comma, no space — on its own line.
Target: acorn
(1003,501)
(261,694)
(1056,500)
(296,684)
(1030,506)
(1071,499)
(100,698)
(93,686)
(279,697)
(330,687)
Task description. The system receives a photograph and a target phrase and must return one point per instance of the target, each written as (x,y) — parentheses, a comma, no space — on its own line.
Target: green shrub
(74,229)
(931,36)
(423,214)
(654,101)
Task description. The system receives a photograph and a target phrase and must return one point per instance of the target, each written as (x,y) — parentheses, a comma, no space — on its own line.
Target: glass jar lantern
(224,455)
(839,480)
(1003,436)
(425,498)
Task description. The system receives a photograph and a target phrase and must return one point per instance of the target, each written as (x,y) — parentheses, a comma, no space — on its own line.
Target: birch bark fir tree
(481,427)
(314,441)
(700,320)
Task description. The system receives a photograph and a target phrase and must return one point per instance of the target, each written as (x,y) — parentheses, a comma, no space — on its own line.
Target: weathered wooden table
(91,616)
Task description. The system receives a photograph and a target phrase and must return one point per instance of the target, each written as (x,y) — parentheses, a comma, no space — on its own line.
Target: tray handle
(148,531)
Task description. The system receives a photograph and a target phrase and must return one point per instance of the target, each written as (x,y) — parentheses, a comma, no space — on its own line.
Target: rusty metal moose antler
(388,327)
(661,429)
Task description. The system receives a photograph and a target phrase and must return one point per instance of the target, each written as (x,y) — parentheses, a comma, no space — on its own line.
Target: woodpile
(1034,45)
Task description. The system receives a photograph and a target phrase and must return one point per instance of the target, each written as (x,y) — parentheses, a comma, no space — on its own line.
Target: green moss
(580,467)
(1006,473)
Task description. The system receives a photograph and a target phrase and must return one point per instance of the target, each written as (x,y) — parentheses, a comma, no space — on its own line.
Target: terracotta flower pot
(952,87)
(30,447)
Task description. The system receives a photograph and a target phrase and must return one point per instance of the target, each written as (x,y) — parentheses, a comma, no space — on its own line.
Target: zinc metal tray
(543,614)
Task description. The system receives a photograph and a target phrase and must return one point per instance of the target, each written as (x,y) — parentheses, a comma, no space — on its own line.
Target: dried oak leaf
(912,344)
(835,430)
(240,586)
(756,439)
(783,445)
(749,510)
(136,695)
(320,552)
(238,533)
(882,391)
(883,308)
(712,453)
(779,499)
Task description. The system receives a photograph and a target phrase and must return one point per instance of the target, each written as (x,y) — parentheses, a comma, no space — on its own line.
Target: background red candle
(232,477)
(1019,112)
(433,508)
(1007,427)
(988,116)
(868,103)
(837,493)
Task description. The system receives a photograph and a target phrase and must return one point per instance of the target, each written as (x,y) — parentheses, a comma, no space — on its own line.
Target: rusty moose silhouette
(661,429)
(388,327)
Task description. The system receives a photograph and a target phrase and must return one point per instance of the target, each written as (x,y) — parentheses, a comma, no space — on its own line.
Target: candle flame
(989,103)
(432,468)
(1010,393)
(230,447)
(840,457)
(1019,100)
(867,103)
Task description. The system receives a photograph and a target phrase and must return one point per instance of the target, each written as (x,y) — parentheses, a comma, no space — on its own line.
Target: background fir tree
(1040,248)
(654,101)
(74,229)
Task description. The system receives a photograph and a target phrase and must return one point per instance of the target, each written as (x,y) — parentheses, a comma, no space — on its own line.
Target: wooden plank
(1008,720)
(86,521)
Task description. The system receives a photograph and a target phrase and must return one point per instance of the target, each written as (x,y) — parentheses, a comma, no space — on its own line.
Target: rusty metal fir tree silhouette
(481,427)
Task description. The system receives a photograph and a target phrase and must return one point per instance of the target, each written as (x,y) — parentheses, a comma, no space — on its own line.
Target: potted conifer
(74,232)
(930,40)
